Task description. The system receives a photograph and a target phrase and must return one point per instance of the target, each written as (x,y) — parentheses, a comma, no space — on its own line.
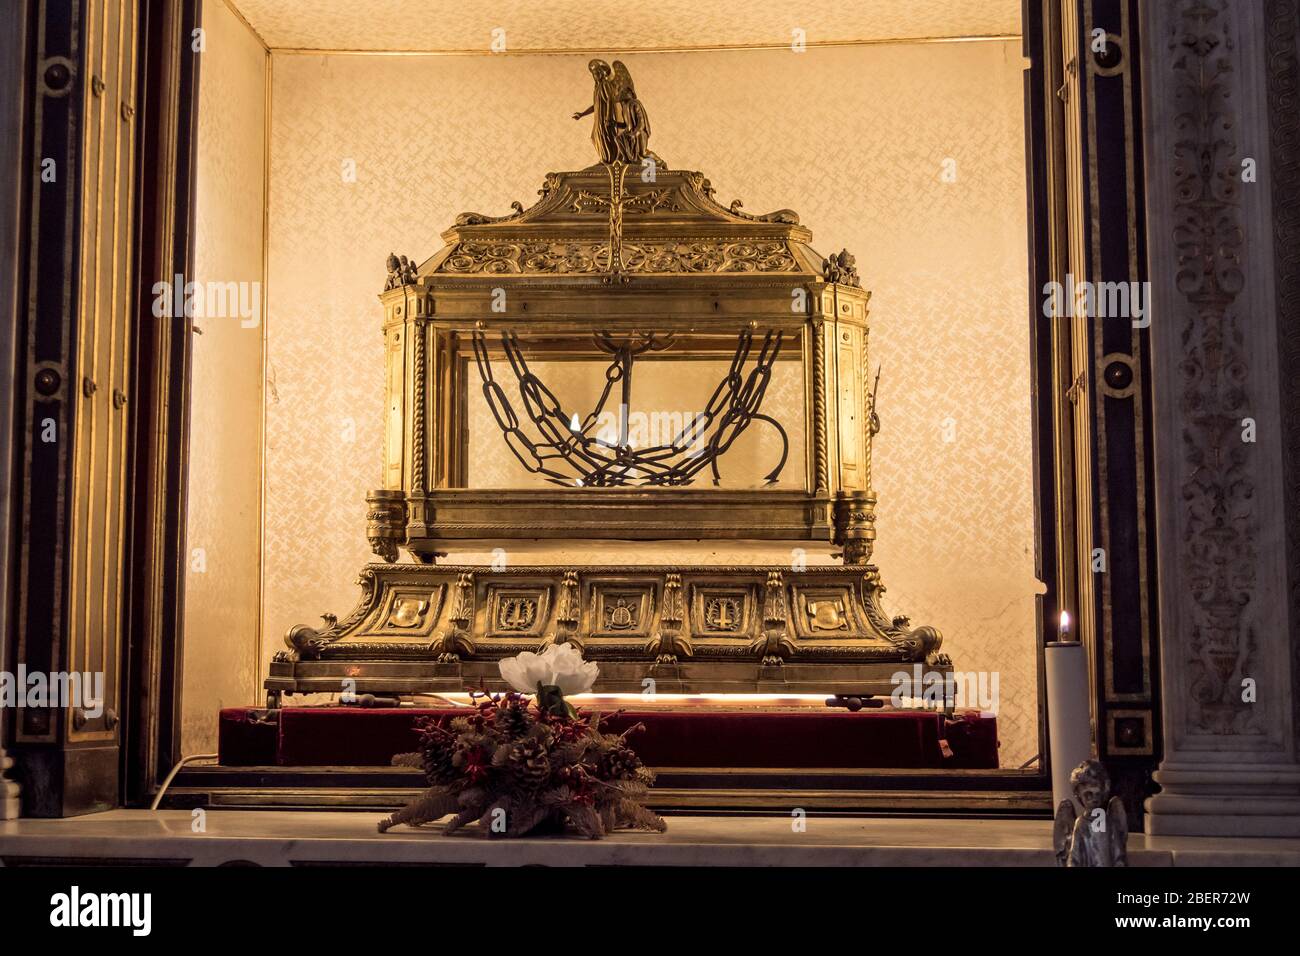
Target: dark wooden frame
(169,84)
(59,776)
(13,108)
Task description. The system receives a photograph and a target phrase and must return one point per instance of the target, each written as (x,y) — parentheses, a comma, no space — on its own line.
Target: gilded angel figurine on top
(1100,836)
(620,127)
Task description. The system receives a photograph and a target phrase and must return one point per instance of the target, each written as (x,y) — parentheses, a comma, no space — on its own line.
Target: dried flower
(546,769)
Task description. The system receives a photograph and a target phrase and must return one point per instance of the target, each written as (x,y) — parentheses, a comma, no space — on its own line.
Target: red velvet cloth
(369,737)
(248,737)
(973,741)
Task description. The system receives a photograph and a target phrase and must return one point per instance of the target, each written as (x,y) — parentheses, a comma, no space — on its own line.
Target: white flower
(524,672)
(559,665)
(572,674)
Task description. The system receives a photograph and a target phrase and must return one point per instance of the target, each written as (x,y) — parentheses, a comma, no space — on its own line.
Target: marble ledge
(271,838)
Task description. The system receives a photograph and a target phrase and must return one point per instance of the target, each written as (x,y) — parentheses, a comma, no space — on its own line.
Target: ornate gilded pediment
(658,221)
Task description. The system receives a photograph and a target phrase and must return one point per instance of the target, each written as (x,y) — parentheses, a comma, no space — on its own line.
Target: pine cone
(438,766)
(529,763)
(512,720)
(618,763)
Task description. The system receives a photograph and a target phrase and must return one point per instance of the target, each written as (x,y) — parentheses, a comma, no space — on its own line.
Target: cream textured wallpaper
(221,584)
(912,156)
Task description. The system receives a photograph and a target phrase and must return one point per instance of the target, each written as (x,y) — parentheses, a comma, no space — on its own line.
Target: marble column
(1228,623)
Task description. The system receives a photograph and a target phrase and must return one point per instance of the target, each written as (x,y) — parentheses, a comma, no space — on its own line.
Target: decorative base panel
(702,629)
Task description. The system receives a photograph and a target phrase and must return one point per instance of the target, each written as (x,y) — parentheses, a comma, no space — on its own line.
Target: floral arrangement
(516,769)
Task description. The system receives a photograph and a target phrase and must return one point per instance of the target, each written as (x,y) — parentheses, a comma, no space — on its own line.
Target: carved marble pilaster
(1229,763)
(1282,44)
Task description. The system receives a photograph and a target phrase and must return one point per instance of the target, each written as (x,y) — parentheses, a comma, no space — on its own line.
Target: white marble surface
(281,838)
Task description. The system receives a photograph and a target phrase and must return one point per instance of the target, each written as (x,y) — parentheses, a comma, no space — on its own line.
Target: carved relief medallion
(827,615)
(722,613)
(516,613)
(407,612)
(622,614)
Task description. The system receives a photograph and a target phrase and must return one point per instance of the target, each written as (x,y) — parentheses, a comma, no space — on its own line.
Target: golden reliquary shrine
(626,359)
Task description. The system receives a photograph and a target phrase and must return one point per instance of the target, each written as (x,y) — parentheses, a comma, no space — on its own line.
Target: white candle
(1069,711)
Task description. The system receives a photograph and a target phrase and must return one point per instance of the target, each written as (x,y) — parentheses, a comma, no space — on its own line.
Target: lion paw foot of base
(448,658)
(666,659)
(771,660)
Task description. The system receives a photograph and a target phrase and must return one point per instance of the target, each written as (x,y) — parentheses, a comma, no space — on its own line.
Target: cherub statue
(841,268)
(401,271)
(1100,836)
(394,272)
